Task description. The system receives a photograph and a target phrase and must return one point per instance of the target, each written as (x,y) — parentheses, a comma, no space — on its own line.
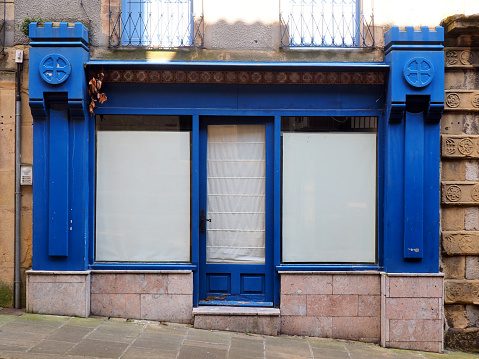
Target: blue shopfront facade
(401,99)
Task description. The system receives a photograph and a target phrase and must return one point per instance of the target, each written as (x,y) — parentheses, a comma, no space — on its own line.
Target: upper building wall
(247,30)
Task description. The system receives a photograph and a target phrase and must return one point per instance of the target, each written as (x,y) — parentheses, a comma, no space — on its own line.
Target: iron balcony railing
(154,24)
(326,23)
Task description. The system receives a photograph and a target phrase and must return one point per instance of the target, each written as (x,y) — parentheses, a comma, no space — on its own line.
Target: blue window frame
(155,23)
(325,23)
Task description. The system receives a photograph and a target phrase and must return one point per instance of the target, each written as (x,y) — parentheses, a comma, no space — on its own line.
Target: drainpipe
(18,191)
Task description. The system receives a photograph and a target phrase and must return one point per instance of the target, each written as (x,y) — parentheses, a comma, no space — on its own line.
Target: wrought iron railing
(155,24)
(326,23)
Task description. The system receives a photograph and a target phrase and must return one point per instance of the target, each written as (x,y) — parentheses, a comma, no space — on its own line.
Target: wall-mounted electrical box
(26,173)
(19,56)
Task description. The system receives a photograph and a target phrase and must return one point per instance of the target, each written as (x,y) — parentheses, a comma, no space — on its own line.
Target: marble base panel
(412,311)
(59,293)
(161,295)
(396,310)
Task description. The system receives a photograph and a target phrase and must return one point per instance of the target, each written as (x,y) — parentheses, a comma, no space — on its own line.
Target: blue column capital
(416,62)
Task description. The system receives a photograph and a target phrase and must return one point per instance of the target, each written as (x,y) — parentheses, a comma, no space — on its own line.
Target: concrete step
(238,319)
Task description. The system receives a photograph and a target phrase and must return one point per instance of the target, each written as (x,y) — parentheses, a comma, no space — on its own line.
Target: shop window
(326,23)
(143,190)
(329,189)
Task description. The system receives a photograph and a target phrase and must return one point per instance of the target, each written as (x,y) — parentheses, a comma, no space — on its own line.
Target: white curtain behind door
(236,194)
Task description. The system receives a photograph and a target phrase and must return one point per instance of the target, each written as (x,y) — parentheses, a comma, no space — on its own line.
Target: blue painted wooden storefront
(406,94)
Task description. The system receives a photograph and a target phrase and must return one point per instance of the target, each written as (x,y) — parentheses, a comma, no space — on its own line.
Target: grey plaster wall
(58,10)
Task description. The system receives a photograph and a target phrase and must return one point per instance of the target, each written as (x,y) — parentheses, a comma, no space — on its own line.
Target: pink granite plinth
(238,319)
(412,311)
(153,295)
(343,305)
(58,293)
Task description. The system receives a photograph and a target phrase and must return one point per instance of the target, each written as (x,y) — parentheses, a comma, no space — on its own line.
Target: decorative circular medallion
(451,57)
(475,193)
(453,193)
(453,100)
(55,69)
(466,147)
(450,146)
(475,101)
(467,57)
(418,72)
(466,243)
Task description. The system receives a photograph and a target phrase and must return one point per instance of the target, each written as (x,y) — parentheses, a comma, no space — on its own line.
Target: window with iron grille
(155,24)
(326,23)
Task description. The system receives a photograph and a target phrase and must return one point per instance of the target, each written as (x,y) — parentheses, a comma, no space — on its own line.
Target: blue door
(236,202)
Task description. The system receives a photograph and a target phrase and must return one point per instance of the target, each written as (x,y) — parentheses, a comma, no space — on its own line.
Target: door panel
(235,240)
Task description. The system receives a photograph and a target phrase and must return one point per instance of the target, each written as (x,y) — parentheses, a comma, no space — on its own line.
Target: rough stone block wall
(164,296)
(7,174)
(460,183)
(345,306)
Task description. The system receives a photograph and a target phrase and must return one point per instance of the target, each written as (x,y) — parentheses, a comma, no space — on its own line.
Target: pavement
(45,336)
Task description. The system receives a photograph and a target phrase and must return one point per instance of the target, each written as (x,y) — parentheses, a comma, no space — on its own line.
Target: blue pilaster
(58,100)
(415,100)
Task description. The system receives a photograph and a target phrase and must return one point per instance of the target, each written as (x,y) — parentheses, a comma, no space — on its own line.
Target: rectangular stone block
(454,267)
(453,146)
(452,218)
(453,170)
(461,100)
(472,267)
(461,291)
(306,284)
(415,286)
(456,316)
(356,284)
(167,307)
(59,296)
(369,306)
(180,283)
(308,326)
(415,330)
(412,308)
(435,347)
(126,283)
(267,325)
(7,194)
(293,304)
(460,192)
(452,123)
(116,305)
(357,328)
(332,305)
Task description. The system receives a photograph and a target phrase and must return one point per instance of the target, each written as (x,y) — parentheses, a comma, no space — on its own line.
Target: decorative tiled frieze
(461,291)
(462,100)
(460,242)
(460,146)
(461,57)
(243,77)
(460,193)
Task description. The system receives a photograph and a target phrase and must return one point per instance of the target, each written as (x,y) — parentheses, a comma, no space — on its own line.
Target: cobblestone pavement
(44,336)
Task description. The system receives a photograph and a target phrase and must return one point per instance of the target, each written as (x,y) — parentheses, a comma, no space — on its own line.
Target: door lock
(203,221)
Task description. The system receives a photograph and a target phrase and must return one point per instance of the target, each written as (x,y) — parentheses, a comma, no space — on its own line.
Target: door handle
(203,221)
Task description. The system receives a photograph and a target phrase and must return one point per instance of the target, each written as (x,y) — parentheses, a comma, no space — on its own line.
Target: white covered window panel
(236,194)
(143,196)
(329,198)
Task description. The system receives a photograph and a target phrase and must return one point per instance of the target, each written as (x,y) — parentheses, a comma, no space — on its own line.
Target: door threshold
(235,303)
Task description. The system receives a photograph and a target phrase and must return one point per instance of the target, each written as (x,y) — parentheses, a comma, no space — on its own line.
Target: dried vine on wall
(94,87)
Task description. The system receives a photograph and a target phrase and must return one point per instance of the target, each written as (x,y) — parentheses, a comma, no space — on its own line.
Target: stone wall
(7,173)
(460,183)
